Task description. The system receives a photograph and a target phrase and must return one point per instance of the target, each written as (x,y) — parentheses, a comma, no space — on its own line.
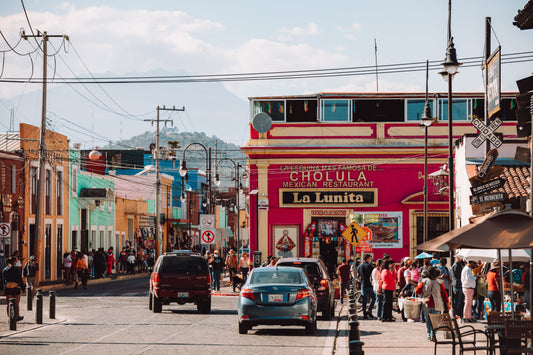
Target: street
(114,318)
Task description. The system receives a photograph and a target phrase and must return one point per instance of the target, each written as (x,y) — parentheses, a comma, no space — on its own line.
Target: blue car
(277,296)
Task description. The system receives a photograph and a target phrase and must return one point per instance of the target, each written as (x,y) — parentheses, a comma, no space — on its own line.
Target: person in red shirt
(345,277)
(400,277)
(493,286)
(110,261)
(388,277)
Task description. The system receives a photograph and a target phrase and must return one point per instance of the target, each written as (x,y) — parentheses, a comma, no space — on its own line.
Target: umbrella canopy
(423,255)
(508,229)
(490,255)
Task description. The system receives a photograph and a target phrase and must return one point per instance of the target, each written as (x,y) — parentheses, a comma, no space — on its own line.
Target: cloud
(349,31)
(288,34)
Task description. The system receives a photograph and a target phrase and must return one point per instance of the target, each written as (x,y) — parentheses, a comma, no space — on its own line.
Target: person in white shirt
(376,278)
(468,280)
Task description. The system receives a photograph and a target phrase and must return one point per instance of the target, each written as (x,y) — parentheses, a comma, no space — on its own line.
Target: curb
(61,286)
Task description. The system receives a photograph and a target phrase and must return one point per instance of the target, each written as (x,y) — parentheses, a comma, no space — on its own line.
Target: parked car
(277,296)
(182,278)
(316,271)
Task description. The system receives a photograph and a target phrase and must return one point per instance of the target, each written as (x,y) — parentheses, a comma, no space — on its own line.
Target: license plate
(183,294)
(275,298)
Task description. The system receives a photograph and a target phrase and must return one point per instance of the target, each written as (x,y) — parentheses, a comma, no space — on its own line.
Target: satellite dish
(262,122)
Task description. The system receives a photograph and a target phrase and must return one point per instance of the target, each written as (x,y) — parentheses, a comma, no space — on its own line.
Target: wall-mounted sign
(488,186)
(328,197)
(487,132)
(495,197)
(385,227)
(493,82)
(488,163)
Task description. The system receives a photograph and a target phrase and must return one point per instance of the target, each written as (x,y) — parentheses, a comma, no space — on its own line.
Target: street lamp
(451,66)
(426,121)
(183,170)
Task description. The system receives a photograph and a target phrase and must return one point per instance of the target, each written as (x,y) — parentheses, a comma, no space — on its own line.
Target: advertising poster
(386,228)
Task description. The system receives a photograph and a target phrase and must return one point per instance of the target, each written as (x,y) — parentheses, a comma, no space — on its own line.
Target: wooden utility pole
(42,151)
(156,153)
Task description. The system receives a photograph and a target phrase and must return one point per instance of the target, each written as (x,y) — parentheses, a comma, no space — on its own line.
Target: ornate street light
(426,121)
(183,170)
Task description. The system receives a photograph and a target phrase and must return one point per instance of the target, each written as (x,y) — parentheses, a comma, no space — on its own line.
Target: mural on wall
(386,228)
(285,239)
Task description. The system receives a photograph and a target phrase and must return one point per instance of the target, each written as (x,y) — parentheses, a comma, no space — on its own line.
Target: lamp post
(236,166)
(183,170)
(426,121)
(451,66)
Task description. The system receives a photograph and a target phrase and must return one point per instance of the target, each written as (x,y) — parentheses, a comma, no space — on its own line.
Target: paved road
(114,318)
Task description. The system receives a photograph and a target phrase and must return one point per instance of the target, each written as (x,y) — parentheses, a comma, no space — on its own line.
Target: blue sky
(209,37)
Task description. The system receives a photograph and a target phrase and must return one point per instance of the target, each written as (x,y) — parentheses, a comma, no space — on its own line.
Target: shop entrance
(328,243)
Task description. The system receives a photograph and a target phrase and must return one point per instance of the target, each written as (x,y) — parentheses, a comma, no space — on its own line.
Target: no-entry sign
(5,230)
(208,236)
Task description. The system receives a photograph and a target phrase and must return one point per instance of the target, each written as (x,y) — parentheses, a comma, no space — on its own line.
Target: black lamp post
(426,121)
(451,66)
(183,170)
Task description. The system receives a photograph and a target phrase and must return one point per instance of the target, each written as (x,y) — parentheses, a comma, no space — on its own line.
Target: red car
(181,278)
(316,271)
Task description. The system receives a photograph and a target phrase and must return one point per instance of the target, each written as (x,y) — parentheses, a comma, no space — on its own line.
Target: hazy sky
(129,37)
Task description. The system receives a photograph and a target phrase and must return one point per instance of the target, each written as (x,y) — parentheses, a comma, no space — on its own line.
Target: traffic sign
(354,234)
(5,230)
(208,236)
(207,221)
(487,132)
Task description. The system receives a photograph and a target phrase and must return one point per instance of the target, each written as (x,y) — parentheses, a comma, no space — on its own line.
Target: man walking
(30,272)
(458,296)
(364,271)
(468,279)
(344,274)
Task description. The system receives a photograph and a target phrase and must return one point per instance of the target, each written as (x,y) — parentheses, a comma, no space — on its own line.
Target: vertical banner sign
(494,82)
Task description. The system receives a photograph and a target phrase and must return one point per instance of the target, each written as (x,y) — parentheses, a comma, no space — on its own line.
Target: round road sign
(208,237)
(5,230)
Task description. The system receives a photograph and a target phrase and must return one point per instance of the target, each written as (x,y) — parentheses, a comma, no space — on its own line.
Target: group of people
(218,264)
(12,275)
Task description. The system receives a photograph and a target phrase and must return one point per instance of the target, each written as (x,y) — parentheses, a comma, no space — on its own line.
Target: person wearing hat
(493,286)
(435,296)
(30,272)
(217,265)
(468,280)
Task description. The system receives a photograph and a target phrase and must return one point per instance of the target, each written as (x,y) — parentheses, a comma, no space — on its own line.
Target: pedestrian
(444,273)
(273,261)
(244,265)
(400,276)
(110,261)
(480,295)
(19,260)
(388,277)
(217,265)
(458,296)
(493,287)
(122,260)
(435,297)
(82,270)
(468,280)
(231,264)
(345,277)
(376,283)
(13,285)
(2,266)
(30,272)
(364,272)
(131,263)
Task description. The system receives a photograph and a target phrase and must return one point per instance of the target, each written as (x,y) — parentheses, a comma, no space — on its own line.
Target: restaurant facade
(317,163)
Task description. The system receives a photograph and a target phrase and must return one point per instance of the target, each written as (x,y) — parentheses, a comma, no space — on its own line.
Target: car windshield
(184,265)
(309,268)
(276,277)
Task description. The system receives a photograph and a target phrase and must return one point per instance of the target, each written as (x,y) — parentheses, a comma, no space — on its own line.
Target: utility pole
(42,149)
(158,177)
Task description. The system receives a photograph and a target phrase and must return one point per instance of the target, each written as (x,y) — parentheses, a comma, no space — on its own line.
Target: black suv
(182,278)
(316,271)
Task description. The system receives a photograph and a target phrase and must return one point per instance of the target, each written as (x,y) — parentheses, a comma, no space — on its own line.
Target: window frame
(348,109)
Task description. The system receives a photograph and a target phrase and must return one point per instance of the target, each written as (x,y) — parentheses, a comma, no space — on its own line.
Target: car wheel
(243,328)
(157,305)
(310,328)
(204,306)
(150,301)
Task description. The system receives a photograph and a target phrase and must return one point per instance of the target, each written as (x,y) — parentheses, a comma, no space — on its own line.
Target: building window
(276,109)
(335,110)
(101,239)
(59,193)
(13,179)
(48,193)
(301,110)
(462,109)
(33,186)
(415,108)
(378,110)
(74,180)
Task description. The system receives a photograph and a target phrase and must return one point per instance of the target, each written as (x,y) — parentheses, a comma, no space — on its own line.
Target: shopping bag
(412,307)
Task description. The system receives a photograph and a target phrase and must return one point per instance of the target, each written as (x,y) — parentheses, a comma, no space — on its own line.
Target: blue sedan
(277,296)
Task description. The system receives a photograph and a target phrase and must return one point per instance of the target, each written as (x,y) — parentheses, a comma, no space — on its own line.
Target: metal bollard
(52,304)
(39,307)
(29,298)
(12,314)
(354,330)
(356,347)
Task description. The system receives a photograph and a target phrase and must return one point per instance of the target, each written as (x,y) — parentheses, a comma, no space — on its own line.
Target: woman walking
(83,271)
(13,285)
(244,265)
(434,292)
(388,276)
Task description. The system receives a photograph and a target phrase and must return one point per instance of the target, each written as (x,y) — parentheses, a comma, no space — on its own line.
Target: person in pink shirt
(388,277)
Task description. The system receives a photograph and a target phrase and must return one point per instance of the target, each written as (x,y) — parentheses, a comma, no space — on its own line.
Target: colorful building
(319,162)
